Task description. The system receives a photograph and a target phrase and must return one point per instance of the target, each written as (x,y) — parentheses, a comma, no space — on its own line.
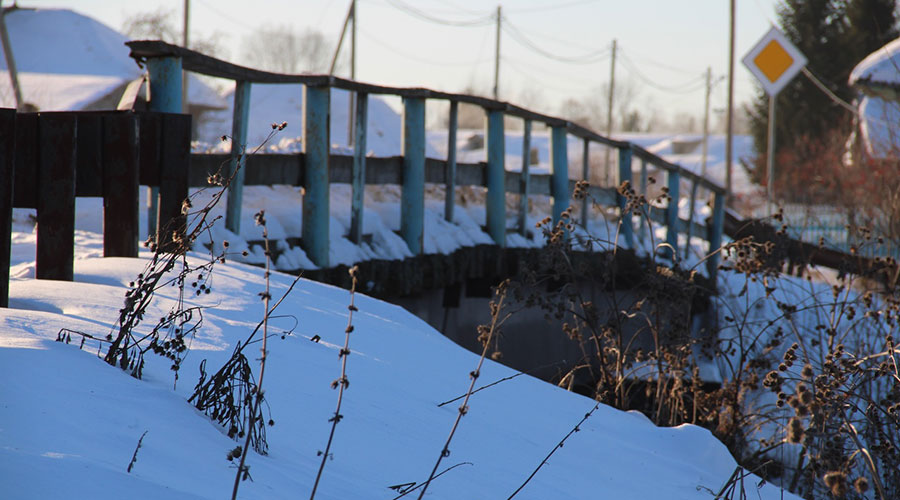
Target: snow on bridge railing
(165,63)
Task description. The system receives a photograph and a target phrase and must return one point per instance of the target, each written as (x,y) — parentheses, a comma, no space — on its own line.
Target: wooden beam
(7,180)
(524,179)
(120,184)
(559,168)
(56,196)
(672,220)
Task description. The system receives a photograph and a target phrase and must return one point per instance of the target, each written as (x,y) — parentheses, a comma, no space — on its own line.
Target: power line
(520,37)
(416,58)
(412,11)
(687,87)
(555,6)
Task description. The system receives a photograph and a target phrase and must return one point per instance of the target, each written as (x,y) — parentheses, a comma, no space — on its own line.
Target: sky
(664,47)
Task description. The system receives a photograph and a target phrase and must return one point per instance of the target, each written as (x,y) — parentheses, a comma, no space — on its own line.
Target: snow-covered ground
(69,423)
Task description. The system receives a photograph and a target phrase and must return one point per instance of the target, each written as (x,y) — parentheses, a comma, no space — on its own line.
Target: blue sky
(665,45)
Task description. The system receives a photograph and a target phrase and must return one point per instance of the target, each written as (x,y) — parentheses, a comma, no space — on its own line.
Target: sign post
(774,61)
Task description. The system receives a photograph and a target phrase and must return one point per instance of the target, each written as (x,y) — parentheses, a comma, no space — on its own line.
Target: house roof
(878,74)
(66,60)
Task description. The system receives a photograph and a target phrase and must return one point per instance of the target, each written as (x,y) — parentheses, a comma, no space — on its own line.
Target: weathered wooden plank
(495,202)
(26,161)
(689,229)
(317,146)
(150,126)
(175,163)
(450,188)
(89,167)
(236,166)
(359,168)
(627,229)
(643,229)
(7,180)
(56,196)
(559,168)
(524,179)
(119,184)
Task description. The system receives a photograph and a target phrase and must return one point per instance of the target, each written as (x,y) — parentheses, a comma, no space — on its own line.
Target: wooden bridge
(47,159)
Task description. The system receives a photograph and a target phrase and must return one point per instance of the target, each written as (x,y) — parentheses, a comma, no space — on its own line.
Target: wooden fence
(48,159)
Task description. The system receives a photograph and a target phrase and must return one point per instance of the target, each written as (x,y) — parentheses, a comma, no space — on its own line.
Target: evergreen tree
(834,35)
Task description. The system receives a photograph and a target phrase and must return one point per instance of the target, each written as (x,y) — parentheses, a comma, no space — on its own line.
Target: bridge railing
(165,63)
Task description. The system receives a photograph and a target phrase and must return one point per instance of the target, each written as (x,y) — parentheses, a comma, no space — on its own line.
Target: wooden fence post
(56,196)
(495,203)
(317,146)
(715,234)
(238,162)
(559,171)
(525,178)
(7,176)
(627,230)
(672,221)
(643,221)
(412,204)
(165,96)
(359,168)
(120,183)
(450,190)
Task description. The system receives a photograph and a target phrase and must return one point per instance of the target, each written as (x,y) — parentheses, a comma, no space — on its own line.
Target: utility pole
(609,110)
(351,96)
(497,58)
(10,60)
(184,75)
(706,122)
(351,15)
(729,117)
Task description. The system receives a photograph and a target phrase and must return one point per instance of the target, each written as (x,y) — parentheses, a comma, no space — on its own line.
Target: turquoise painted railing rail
(165,61)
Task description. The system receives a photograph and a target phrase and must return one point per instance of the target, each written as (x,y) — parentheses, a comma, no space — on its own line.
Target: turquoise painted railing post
(357,202)
(715,234)
(559,171)
(495,204)
(450,189)
(673,183)
(525,179)
(238,162)
(412,202)
(165,97)
(689,230)
(643,221)
(585,176)
(317,147)
(627,228)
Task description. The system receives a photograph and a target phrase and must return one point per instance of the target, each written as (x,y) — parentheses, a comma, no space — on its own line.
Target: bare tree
(161,24)
(285,50)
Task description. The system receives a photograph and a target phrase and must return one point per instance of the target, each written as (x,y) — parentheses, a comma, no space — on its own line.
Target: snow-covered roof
(880,127)
(66,60)
(879,73)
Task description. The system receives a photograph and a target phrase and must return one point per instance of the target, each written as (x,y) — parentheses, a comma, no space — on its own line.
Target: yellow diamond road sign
(774,61)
